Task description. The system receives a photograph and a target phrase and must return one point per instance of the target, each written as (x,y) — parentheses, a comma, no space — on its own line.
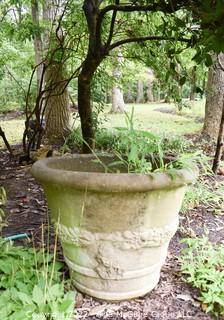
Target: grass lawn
(13,130)
(146,116)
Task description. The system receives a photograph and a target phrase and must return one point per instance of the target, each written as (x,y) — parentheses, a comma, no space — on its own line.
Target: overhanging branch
(147,38)
(160,6)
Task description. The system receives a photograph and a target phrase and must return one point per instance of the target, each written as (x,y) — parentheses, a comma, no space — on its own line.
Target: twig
(2,134)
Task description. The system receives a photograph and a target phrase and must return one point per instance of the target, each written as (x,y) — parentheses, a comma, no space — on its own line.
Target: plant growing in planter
(114,224)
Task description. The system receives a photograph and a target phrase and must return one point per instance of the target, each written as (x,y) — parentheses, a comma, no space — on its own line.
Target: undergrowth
(202,263)
(202,193)
(108,140)
(32,286)
(139,151)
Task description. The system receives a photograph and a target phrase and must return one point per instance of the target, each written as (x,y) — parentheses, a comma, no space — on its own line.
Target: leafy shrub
(117,138)
(31,286)
(202,263)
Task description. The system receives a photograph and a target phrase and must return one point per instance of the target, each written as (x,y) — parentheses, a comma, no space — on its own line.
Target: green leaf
(67,304)
(133,155)
(25,298)
(55,291)
(38,295)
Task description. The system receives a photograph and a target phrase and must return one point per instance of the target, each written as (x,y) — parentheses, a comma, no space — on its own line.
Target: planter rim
(109,182)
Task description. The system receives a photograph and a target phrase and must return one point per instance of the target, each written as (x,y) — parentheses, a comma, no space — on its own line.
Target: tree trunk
(140,92)
(85,112)
(214,100)
(167,98)
(193,84)
(57,113)
(129,97)
(149,91)
(157,97)
(118,105)
(38,49)
(219,145)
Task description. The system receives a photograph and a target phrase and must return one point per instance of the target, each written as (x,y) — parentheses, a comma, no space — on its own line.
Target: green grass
(145,117)
(13,130)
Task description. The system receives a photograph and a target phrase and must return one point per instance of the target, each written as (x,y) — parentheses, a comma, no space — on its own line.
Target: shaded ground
(173,111)
(171,299)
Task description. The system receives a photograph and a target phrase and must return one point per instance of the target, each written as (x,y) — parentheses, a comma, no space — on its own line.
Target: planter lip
(109,182)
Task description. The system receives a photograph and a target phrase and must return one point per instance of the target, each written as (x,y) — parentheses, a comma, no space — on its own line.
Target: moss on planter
(114,227)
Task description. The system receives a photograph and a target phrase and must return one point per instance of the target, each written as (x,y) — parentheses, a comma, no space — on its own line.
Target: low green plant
(135,145)
(31,285)
(202,264)
(144,152)
(201,193)
(139,151)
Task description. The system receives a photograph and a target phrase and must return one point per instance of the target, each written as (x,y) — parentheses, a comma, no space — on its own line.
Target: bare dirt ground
(171,299)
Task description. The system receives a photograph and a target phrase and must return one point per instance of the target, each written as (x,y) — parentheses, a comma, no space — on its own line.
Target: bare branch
(111,27)
(160,6)
(146,38)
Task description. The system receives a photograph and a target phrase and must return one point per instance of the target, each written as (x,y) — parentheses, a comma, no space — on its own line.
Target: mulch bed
(171,299)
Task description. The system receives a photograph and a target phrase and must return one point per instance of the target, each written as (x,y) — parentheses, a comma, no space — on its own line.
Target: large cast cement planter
(114,227)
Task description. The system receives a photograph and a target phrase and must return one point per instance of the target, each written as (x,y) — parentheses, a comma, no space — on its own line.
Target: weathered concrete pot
(114,227)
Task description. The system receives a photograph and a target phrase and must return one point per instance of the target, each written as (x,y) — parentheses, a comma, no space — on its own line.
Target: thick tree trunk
(118,105)
(57,113)
(140,92)
(214,100)
(193,84)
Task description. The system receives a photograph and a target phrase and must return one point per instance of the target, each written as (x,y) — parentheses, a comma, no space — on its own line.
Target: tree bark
(129,97)
(214,100)
(90,65)
(85,113)
(193,84)
(149,91)
(140,92)
(57,113)
(118,105)
(38,49)
(220,143)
